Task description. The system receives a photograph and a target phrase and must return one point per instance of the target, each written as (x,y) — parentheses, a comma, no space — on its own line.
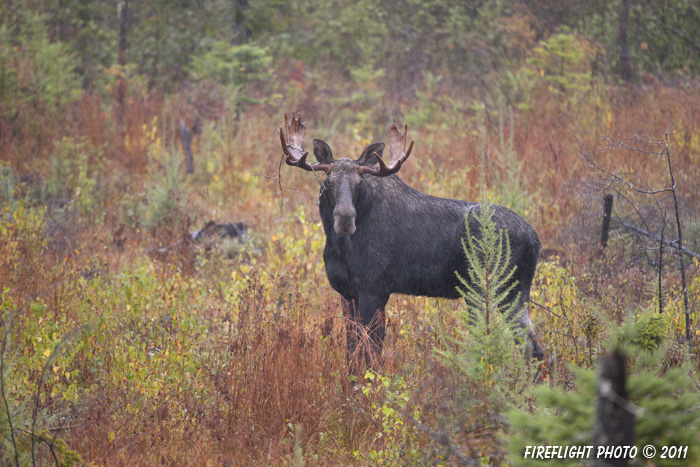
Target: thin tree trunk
(121,87)
(241,23)
(625,67)
(661,265)
(686,305)
(187,147)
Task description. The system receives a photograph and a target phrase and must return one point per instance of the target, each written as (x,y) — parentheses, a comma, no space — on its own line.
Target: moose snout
(344,221)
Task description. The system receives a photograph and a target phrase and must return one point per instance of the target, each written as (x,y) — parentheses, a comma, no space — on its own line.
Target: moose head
(344,175)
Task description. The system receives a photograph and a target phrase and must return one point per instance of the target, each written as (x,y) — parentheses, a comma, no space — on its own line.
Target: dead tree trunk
(607,213)
(187,147)
(121,86)
(661,266)
(614,421)
(625,67)
(240,22)
(686,305)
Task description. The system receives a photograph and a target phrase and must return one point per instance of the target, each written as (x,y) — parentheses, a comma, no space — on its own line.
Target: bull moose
(384,237)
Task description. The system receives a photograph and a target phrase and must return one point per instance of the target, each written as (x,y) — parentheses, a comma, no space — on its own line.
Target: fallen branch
(655,237)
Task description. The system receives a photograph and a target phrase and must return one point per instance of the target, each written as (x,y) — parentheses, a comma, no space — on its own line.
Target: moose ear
(322,152)
(367,157)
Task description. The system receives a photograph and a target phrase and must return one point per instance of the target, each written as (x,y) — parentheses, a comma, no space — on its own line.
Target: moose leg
(533,349)
(522,328)
(371,308)
(353,331)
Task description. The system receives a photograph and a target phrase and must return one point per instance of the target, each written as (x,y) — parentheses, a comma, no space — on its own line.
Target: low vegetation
(125,341)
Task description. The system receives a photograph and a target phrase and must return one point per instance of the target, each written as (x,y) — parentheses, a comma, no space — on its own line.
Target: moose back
(384,237)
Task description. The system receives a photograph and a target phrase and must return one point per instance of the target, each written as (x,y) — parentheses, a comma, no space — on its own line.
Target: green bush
(77,174)
(232,65)
(162,203)
(23,418)
(396,442)
(35,71)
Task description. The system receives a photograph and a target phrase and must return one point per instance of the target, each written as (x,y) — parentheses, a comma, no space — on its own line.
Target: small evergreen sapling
(479,349)
(477,345)
(665,404)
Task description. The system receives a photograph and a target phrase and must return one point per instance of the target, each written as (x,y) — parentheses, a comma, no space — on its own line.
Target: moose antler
(294,155)
(397,150)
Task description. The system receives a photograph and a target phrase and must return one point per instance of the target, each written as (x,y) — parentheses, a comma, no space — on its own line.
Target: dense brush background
(126,343)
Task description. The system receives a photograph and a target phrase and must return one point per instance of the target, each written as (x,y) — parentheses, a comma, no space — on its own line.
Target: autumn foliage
(127,342)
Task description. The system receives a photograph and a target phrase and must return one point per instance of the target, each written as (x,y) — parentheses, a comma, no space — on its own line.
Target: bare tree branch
(682,35)
(593,163)
(655,237)
(638,145)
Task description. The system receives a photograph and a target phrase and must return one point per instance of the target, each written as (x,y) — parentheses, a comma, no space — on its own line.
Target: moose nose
(344,221)
(344,226)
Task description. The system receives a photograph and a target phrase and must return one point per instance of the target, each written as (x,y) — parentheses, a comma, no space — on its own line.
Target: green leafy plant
(563,61)
(435,110)
(77,175)
(163,201)
(395,443)
(7,187)
(22,415)
(477,344)
(573,331)
(650,330)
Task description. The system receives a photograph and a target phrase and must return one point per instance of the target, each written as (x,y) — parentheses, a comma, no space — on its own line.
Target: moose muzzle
(344,220)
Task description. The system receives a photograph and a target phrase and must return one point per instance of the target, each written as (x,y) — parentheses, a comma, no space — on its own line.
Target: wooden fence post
(613,424)
(607,214)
